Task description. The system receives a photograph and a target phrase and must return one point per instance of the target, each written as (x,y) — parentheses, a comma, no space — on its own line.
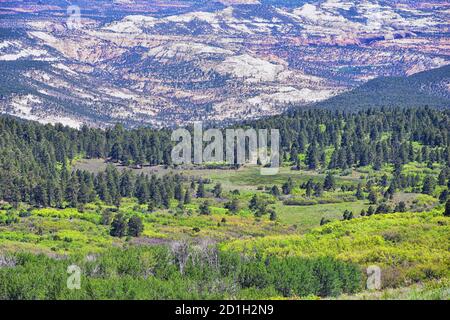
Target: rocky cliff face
(167,63)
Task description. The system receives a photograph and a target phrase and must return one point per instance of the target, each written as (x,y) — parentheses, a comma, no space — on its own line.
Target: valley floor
(282,250)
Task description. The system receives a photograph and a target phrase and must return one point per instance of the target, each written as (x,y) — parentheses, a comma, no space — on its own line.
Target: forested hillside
(354,189)
(35,159)
(427,88)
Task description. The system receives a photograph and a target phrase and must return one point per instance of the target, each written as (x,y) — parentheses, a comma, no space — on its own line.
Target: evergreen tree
(383,208)
(72,191)
(442,177)
(200,189)
(324,221)
(178,192)
(401,207)
(447,209)
(217,191)
(309,188)
(165,199)
(232,206)
(329,183)
(288,186)
(272,215)
(443,196)
(187,197)
(359,192)
(312,157)
(253,204)
(372,197)
(390,191)
(275,191)
(135,226)
(119,226)
(318,191)
(126,184)
(204,208)
(428,185)
(348,215)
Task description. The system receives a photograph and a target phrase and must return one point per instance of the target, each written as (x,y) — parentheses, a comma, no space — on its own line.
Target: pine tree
(200,189)
(312,157)
(72,190)
(232,206)
(118,226)
(442,177)
(126,184)
(372,197)
(253,204)
(187,197)
(288,186)
(102,189)
(447,209)
(165,199)
(348,215)
(151,206)
(217,191)
(135,226)
(318,191)
(428,185)
(390,191)
(309,188)
(40,196)
(116,152)
(272,215)
(142,192)
(178,192)
(443,196)
(329,183)
(204,208)
(275,191)
(401,207)
(359,192)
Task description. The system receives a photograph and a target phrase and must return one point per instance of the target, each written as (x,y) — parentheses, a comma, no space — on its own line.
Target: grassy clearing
(308,217)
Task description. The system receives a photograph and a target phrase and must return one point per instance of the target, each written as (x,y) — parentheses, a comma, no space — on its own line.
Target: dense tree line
(370,137)
(35,159)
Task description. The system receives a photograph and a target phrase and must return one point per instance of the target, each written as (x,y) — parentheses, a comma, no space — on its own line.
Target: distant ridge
(427,88)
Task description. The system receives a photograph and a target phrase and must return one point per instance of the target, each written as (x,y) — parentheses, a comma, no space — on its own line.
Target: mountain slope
(428,88)
(167,62)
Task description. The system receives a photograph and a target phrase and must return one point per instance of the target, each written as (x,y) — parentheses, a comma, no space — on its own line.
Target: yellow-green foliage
(68,231)
(407,246)
(424,200)
(54,234)
(67,213)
